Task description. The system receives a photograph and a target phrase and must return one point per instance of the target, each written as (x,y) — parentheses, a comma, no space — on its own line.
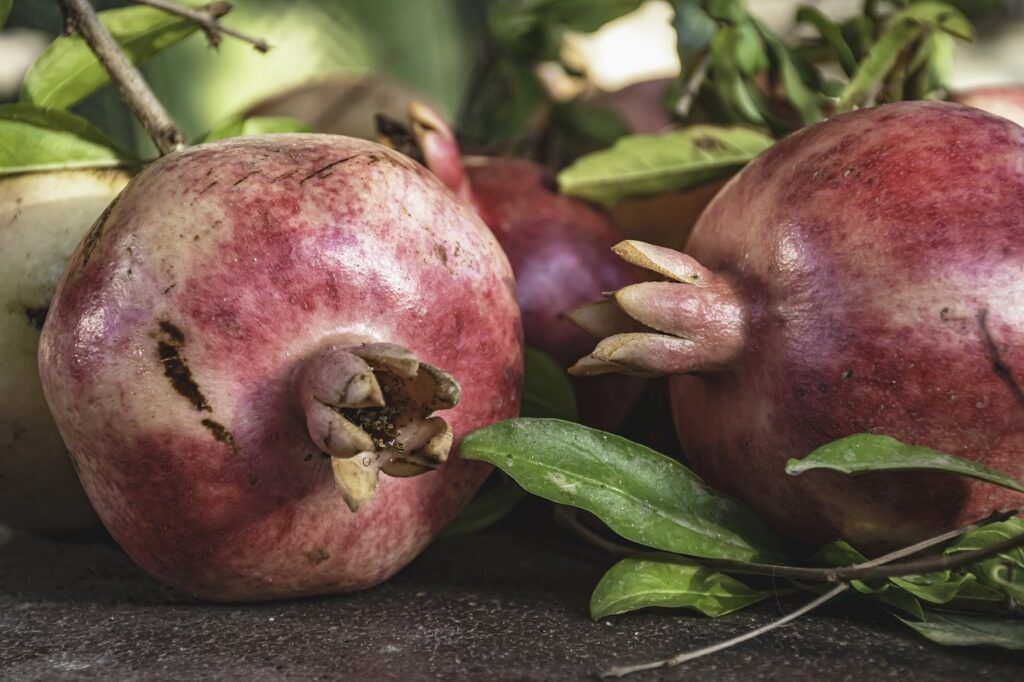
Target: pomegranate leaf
(639,165)
(33,139)
(669,581)
(961,629)
(832,34)
(5,11)
(256,125)
(640,494)
(865,453)
(67,71)
(546,389)
(1003,573)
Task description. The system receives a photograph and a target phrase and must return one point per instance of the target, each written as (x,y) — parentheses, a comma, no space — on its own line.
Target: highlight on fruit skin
(264,357)
(43,215)
(860,276)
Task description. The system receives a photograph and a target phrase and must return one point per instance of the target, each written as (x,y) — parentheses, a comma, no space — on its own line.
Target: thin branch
(133,88)
(875,568)
(622,671)
(693,85)
(206,17)
(861,571)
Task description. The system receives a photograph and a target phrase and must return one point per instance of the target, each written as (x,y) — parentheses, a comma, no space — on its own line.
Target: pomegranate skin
(560,251)
(881,256)
(247,256)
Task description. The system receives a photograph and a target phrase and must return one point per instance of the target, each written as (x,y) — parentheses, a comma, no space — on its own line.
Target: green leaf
(942,16)
(640,494)
(831,34)
(1004,572)
(546,389)
(33,139)
(865,453)
(803,98)
(649,164)
(486,509)
(662,580)
(960,629)
(936,588)
(694,30)
(900,34)
(585,16)
(67,71)
(257,125)
(5,11)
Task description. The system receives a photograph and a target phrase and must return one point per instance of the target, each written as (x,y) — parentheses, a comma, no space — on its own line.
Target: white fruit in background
(43,216)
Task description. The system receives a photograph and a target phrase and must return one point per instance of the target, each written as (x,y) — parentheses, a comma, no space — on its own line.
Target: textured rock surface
(508,604)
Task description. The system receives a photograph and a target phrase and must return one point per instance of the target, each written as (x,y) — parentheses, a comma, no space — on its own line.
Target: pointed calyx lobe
(693,322)
(369,407)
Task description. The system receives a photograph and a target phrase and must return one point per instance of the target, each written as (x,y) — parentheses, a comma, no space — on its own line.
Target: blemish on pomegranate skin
(96,231)
(169,345)
(322,172)
(317,556)
(221,434)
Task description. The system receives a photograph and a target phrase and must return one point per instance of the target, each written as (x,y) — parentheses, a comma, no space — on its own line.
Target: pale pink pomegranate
(865,274)
(262,353)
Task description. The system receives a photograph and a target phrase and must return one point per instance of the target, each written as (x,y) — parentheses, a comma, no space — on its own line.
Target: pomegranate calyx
(368,407)
(697,322)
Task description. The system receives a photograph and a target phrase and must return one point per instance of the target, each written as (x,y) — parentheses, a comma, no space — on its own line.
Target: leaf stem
(622,671)
(207,19)
(158,124)
(568,518)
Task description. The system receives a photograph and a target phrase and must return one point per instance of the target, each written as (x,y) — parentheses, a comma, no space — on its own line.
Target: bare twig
(621,671)
(133,88)
(874,568)
(207,19)
(861,571)
(693,84)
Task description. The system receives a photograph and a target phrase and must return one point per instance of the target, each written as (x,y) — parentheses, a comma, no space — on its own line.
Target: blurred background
(429,46)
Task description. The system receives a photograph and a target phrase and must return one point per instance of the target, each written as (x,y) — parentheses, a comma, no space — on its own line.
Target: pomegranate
(862,275)
(43,215)
(558,247)
(246,354)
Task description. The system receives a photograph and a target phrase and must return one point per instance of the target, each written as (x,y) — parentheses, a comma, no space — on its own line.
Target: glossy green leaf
(961,629)
(1004,572)
(33,139)
(257,125)
(943,16)
(5,11)
(640,494)
(831,34)
(487,508)
(639,165)
(67,71)
(866,453)
(990,534)
(546,388)
(663,580)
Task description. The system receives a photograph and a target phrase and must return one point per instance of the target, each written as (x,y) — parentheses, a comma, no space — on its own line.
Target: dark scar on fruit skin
(221,434)
(175,368)
(999,365)
(328,167)
(245,177)
(97,229)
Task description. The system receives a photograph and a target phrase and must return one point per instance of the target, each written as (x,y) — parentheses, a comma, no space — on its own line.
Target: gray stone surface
(506,604)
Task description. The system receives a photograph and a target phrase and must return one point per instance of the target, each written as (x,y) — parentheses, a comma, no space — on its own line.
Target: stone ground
(506,604)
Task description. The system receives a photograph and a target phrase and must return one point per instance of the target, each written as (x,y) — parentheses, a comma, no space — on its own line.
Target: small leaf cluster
(657,503)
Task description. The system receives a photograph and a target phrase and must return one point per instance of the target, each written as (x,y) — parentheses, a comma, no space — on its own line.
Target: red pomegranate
(262,353)
(559,249)
(865,274)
